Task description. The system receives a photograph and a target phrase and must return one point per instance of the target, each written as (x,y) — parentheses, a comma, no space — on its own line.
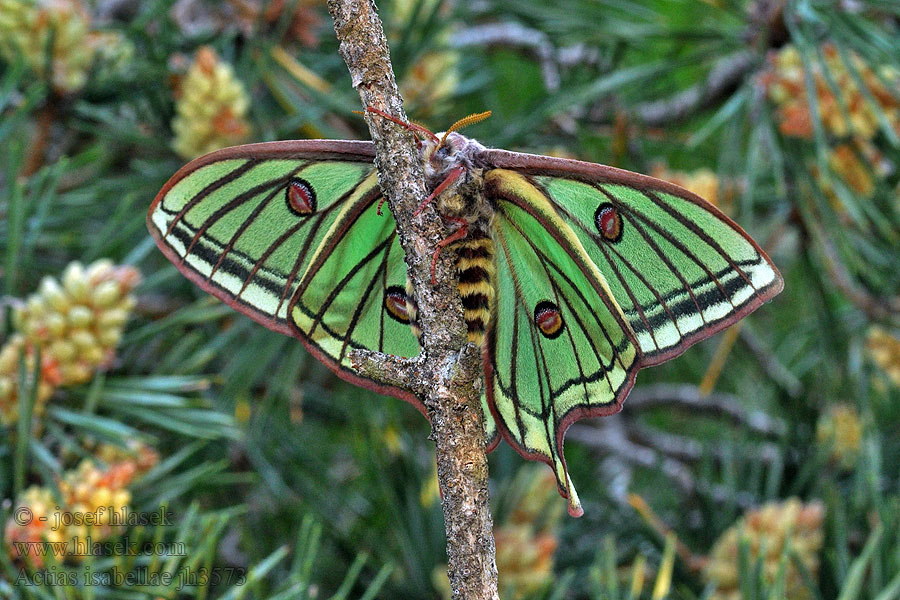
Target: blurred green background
(763,463)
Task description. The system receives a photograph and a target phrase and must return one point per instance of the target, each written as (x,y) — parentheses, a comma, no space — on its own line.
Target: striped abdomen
(475,269)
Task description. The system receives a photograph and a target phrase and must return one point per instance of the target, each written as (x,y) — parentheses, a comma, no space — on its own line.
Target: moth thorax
(475,269)
(464,197)
(453,205)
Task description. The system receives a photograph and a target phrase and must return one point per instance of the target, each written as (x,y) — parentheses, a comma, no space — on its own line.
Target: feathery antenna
(464,122)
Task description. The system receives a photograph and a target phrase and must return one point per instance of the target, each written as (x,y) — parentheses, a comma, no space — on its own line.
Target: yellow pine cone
(78,322)
(138,455)
(839,433)
(31,528)
(524,559)
(88,488)
(539,503)
(9,380)
(884,348)
(211,109)
(768,529)
(527,541)
(786,87)
(27,27)
(703,182)
(431,80)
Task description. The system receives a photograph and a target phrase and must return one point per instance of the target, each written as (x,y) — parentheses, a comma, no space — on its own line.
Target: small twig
(448,369)
(393,370)
(723,79)
(633,454)
(690,450)
(617,470)
(877,309)
(689,398)
(517,35)
(777,372)
(641,456)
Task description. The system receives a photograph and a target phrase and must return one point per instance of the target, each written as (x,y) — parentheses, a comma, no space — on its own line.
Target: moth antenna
(414,127)
(464,122)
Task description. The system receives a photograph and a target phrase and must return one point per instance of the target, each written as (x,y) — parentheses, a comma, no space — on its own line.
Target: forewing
(226,220)
(679,268)
(246,223)
(229,222)
(558,347)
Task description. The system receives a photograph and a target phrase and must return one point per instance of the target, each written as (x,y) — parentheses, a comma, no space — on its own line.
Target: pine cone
(211,108)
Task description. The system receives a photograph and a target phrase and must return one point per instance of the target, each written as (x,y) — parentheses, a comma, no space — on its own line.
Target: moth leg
(459,234)
(380,204)
(455,172)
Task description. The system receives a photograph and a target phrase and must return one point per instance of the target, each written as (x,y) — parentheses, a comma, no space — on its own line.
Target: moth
(573,276)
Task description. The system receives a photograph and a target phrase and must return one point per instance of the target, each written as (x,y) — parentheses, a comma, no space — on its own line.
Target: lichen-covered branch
(387,368)
(448,371)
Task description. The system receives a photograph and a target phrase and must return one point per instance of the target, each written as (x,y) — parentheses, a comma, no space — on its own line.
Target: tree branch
(448,369)
(394,370)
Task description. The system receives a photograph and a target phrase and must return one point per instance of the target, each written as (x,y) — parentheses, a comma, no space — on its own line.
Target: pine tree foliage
(760,464)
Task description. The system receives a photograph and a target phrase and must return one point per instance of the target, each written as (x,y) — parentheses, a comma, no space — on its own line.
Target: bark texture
(447,373)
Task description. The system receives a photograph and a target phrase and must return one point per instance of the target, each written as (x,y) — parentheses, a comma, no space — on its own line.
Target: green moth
(573,275)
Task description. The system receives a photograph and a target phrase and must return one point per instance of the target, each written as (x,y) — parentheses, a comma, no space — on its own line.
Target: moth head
(445,150)
(448,148)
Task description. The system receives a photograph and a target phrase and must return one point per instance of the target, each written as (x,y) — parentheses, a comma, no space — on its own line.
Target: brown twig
(689,398)
(448,370)
(878,309)
(689,450)
(37,148)
(516,35)
(777,372)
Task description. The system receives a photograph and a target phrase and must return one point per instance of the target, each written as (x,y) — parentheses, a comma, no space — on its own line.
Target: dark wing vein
(209,189)
(238,200)
(335,292)
(702,235)
(357,312)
